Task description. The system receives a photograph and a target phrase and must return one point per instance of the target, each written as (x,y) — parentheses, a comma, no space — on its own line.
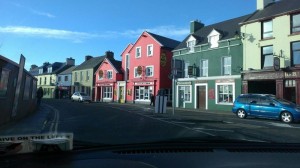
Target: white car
(81,97)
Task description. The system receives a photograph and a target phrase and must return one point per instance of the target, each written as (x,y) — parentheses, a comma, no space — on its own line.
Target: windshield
(148,71)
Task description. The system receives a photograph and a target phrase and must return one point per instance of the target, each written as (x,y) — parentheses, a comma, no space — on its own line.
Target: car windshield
(149,71)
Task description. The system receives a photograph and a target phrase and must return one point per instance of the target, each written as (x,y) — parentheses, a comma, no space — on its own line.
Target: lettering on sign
(211,94)
(184,83)
(144,83)
(225,81)
(292,74)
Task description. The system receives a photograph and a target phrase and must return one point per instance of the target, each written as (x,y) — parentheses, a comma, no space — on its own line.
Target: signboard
(143,83)
(292,74)
(36,142)
(100,74)
(225,81)
(184,83)
(211,94)
(139,70)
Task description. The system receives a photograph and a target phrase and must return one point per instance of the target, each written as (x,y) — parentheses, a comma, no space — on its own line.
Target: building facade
(64,82)
(107,85)
(208,66)
(271,38)
(83,78)
(147,65)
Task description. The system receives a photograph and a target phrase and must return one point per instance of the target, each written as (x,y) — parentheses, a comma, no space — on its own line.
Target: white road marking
(181,122)
(214,129)
(54,124)
(280,125)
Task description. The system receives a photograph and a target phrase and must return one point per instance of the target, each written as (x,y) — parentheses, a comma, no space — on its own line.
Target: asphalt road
(112,123)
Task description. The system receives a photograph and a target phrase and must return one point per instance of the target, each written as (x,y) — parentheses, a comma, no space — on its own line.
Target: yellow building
(271,46)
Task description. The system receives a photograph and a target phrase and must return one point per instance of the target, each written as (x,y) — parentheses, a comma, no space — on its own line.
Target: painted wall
(281,41)
(63,82)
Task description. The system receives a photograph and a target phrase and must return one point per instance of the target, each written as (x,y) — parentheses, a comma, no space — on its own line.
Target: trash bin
(161,102)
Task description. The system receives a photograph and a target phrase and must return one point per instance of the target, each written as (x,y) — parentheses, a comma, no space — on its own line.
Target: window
(136,75)
(127,61)
(290,83)
(214,41)
(203,68)
(149,71)
(66,78)
(226,65)
(295,23)
(267,57)
(49,69)
(45,81)
(138,52)
(143,92)
(109,74)
(296,53)
(225,93)
(267,29)
(186,93)
(40,80)
(75,76)
(41,71)
(4,82)
(150,50)
(186,66)
(26,88)
(191,45)
(107,92)
(81,75)
(59,78)
(87,76)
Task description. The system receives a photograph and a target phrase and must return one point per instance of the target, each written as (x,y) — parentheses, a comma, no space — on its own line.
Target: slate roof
(274,9)
(227,29)
(61,69)
(117,64)
(166,42)
(68,71)
(91,63)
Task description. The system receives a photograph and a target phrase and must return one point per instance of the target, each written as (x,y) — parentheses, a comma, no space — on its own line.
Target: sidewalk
(32,124)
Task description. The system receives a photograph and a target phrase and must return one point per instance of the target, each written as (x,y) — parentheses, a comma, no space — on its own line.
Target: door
(201,97)
(121,94)
(254,106)
(269,109)
(181,98)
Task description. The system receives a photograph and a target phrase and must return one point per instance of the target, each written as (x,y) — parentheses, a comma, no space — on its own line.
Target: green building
(208,65)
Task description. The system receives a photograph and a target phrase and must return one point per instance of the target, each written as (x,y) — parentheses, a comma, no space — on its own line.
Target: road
(112,123)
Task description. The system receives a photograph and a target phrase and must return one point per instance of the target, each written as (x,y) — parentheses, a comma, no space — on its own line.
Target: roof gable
(116,65)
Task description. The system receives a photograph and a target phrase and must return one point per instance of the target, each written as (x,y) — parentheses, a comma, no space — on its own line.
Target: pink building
(147,65)
(106,83)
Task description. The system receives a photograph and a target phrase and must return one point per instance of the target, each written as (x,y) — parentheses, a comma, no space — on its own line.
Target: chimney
(261,4)
(109,54)
(88,57)
(33,66)
(70,61)
(195,25)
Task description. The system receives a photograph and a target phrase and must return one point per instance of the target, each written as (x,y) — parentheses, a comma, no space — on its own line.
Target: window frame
(217,93)
(293,54)
(225,66)
(107,92)
(66,78)
(185,94)
(202,68)
(151,49)
(135,74)
(263,55)
(191,45)
(136,52)
(107,74)
(292,24)
(87,78)
(263,32)
(152,73)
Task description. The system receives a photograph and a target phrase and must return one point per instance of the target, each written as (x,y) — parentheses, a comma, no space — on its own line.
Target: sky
(53,30)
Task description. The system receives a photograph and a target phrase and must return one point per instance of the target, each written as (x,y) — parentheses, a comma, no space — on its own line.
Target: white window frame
(127,57)
(151,50)
(223,65)
(206,95)
(190,92)
(41,71)
(49,69)
(217,93)
(214,38)
(136,52)
(135,74)
(107,92)
(152,73)
(146,93)
(107,74)
(202,68)
(186,68)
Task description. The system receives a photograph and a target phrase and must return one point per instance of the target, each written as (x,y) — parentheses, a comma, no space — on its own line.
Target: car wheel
(241,113)
(286,117)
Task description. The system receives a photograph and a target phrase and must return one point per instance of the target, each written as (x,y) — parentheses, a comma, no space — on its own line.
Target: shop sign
(184,83)
(143,83)
(225,81)
(292,74)
(101,74)
(63,88)
(105,84)
(211,94)
(139,70)
(200,81)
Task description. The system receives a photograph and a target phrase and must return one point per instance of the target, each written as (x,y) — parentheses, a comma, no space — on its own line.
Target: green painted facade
(228,48)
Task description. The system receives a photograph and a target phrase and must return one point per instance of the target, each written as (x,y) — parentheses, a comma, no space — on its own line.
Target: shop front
(105,92)
(143,91)
(64,92)
(284,84)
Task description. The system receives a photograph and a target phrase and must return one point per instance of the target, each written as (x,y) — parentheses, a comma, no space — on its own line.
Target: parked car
(266,106)
(81,97)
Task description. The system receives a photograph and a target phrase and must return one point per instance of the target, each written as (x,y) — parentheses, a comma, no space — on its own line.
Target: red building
(147,65)
(106,83)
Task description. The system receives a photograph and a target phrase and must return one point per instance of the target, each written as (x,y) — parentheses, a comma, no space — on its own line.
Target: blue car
(266,106)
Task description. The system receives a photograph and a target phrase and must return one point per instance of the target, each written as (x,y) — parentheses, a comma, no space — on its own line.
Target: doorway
(201,97)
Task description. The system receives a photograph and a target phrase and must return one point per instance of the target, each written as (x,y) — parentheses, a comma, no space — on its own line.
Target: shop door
(201,97)
(181,98)
(121,94)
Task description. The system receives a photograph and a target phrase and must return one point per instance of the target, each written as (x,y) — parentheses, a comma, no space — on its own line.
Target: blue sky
(52,30)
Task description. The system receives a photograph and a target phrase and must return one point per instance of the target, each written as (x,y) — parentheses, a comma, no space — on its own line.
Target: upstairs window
(149,71)
(204,68)
(75,77)
(50,70)
(213,38)
(66,78)
(191,42)
(138,52)
(150,50)
(41,71)
(87,76)
(127,60)
(136,74)
(226,65)
(295,23)
(267,57)
(296,53)
(59,79)
(186,67)
(267,29)
(109,74)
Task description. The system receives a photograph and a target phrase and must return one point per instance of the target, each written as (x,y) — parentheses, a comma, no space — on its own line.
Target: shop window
(267,57)
(290,83)
(143,92)
(107,92)
(224,93)
(186,90)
